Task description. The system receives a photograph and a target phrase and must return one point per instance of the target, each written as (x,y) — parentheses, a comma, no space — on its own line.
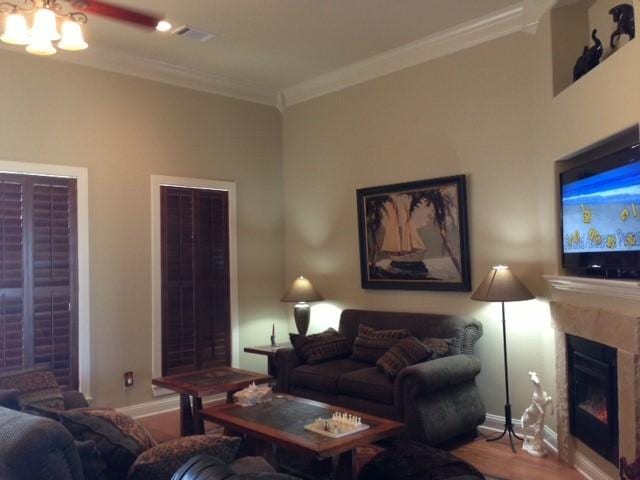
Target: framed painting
(414,236)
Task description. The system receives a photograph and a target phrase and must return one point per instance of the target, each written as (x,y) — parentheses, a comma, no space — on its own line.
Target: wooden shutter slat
(12,261)
(54,277)
(177,281)
(195,278)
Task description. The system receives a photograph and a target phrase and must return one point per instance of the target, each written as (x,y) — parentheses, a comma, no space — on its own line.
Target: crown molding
(483,29)
(522,17)
(156,70)
(533,12)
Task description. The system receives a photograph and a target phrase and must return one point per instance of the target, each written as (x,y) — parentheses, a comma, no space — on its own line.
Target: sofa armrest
(9,399)
(286,360)
(434,375)
(74,399)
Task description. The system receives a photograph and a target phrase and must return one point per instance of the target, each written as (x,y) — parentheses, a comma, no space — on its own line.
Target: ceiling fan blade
(109,10)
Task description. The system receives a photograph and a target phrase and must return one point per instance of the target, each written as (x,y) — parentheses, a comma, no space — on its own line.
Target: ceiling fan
(73,13)
(118,13)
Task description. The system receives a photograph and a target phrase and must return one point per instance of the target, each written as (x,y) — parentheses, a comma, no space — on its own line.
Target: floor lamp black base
(508,429)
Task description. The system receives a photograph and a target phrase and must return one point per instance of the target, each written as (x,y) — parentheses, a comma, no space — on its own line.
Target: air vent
(193,34)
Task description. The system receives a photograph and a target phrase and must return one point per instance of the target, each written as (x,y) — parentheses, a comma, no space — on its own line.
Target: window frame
(81,175)
(158,181)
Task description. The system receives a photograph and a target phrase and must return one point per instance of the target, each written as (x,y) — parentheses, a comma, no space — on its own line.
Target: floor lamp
(501,285)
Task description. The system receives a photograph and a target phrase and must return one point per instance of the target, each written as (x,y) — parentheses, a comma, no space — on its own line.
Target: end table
(270,352)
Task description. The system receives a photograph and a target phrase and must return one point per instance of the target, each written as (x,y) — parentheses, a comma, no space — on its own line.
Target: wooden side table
(193,386)
(270,352)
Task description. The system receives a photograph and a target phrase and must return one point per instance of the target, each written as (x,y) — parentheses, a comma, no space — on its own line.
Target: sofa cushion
(368,383)
(93,466)
(407,351)
(36,387)
(160,462)
(119,438)
(320,347)
(323,377)
(371,344)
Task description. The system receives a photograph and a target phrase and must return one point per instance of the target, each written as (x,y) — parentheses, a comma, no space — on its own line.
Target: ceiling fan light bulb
(41,45)
(16,31)
(44,24)
(163,26)
(72,38)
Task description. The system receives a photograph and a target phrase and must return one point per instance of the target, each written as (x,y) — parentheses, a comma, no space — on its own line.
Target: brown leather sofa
(437,399)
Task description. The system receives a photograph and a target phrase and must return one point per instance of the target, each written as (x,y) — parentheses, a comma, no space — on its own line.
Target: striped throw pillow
(320,347)
(407,351)
(371,344)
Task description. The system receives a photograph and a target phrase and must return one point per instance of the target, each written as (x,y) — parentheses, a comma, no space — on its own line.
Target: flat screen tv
(601,215)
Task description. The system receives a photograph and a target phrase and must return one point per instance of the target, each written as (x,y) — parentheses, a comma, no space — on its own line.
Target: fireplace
(593,395)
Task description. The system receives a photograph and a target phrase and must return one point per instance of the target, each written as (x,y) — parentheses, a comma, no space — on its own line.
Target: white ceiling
(282,52)
(275,44)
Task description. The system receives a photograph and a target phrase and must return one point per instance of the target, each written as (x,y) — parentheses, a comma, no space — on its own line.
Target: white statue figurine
(533,419)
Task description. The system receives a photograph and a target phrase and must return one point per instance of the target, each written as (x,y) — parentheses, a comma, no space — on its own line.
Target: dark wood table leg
(271,366)
(186,416)
(198,422)
(347,466)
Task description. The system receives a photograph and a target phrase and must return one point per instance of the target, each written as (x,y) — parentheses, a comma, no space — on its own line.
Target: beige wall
(488,112)
(124,130)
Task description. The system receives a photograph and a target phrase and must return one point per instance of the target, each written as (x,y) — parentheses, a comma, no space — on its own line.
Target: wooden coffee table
(193,386)
(281,422)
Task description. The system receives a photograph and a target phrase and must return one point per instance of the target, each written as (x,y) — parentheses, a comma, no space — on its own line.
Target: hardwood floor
(497,460)
(494,459)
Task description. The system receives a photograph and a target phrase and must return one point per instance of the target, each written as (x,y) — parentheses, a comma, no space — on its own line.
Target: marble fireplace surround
(615,329)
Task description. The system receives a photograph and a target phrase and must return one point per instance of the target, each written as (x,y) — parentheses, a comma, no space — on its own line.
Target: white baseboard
(495,423)
(588,469)
(166,404)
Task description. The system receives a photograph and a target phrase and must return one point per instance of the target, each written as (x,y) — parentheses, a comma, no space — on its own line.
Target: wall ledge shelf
(629,289)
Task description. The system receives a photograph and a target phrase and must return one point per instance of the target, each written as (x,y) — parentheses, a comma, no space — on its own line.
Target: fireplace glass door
(593,395)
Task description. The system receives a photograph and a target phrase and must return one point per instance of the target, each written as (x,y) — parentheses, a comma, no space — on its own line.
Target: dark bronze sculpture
(623,15)
(589,59)
(629,471)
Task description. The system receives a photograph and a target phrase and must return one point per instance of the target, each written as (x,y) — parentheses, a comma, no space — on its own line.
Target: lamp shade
(72,38)
(501,285)
(301,290)
(45,25)
(41,45)
(16,31)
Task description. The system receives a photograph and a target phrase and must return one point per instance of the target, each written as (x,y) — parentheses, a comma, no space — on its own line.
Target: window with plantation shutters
(195,279)
(38,275)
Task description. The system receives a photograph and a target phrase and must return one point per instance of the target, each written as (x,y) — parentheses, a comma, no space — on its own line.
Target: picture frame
(414,235)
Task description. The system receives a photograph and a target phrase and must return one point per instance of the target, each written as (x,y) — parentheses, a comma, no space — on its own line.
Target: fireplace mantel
(629,289)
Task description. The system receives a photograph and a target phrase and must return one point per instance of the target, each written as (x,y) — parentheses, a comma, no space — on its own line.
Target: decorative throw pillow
(118,437)
(407,351)
(439,347)
(371,344)
(162,461)
(320,346)
(37,387)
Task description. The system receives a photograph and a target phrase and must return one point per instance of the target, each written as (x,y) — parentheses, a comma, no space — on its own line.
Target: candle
(273,330)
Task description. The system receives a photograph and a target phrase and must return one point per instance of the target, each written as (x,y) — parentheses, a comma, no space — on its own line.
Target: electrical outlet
(128,379)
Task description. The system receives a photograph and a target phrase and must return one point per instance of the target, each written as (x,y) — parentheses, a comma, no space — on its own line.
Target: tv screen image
(601,213)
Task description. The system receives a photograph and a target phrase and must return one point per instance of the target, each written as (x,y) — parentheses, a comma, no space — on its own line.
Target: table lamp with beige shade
(301,292)
(502,285)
